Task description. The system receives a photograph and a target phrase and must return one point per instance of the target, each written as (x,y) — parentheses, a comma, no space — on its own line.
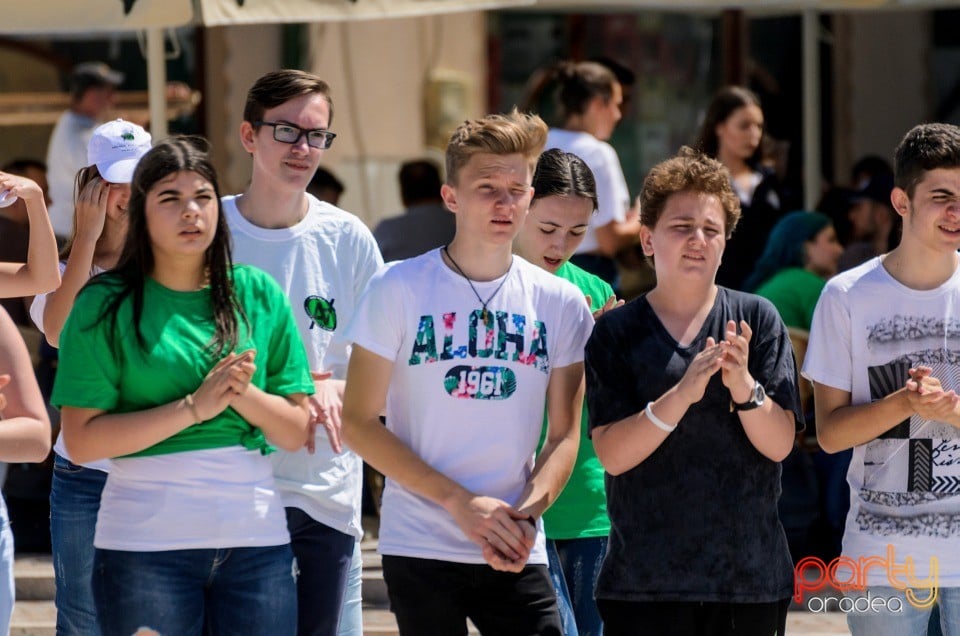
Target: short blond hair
(513,133)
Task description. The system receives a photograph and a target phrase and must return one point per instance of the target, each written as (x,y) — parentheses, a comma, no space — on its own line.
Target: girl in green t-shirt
(565,197)
(184,369)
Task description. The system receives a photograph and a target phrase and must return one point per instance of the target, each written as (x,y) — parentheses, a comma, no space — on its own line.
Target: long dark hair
(724,103)
(136,261)
(563,174)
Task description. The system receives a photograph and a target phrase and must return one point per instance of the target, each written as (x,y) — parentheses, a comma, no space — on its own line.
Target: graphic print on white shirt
(868,330)
(467,386)
(917,460)
(501,336)
(321,312)
(323,263)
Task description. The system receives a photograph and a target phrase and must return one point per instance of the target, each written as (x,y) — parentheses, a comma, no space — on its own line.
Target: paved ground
(34,614)
(809,624)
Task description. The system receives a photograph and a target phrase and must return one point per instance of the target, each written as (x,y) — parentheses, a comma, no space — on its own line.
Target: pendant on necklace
(483,315)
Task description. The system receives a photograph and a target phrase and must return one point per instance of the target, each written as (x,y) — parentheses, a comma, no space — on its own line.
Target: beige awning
(66,16)
(753,6)
(222,12)
(70,16)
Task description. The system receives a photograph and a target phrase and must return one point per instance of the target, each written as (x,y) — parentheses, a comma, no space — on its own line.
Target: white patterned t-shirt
(868,330)
(468,386)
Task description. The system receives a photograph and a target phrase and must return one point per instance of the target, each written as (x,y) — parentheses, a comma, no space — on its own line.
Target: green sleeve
(599,295)
(88,375)
(288,370)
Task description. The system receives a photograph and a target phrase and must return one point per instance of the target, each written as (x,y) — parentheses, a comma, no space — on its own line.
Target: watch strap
(750,404)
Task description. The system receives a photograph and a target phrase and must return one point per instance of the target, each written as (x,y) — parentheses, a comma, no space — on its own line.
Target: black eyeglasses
(290,134)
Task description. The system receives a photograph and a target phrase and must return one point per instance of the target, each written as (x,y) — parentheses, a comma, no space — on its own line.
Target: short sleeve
(611,395)
(37,307)
(377,322)
(613,197)
(772,363)
(576,325)
(288,370)
(88,375)
(829,354)
(368,258)
(599,293)
(39,304)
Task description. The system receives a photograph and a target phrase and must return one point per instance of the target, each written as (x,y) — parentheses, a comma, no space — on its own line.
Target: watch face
(759,394)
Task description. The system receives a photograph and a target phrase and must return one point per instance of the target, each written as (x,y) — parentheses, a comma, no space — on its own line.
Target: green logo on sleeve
(321,312)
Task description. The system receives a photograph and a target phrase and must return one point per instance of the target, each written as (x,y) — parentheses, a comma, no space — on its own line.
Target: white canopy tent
(753,6)
(154,16)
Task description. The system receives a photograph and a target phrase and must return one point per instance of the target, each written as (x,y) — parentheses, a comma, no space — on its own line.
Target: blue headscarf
(785,245)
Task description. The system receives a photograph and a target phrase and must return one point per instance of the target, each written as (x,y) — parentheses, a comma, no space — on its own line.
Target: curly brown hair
(689,171)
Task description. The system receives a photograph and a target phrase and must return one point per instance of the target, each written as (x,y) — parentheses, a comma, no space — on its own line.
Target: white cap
(115,148)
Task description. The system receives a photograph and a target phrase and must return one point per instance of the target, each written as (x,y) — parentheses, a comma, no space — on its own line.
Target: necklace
(483,303)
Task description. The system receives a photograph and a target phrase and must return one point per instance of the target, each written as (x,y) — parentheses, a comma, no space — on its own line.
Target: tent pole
(157,83)
(811,109)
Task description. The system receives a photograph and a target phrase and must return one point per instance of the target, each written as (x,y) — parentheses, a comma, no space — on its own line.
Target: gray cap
(94,74)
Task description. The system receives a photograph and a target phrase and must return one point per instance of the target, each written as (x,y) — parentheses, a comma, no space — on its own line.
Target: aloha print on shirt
(490,335)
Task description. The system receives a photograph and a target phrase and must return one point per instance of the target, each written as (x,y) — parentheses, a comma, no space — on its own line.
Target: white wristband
(656,421)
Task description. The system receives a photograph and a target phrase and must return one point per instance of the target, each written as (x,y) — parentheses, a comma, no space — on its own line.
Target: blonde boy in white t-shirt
(462,345)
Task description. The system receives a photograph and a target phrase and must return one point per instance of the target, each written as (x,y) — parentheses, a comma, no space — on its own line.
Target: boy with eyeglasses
(463,345)
(323,257)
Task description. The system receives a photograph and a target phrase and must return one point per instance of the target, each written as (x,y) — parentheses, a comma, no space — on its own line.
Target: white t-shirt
(613,196)
(466,395)
(66,154)
(153,503)
(868,330)
(323,263)
(36,314)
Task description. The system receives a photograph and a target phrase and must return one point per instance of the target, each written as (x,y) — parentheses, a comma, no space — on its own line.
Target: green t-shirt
(581,509)
(100,368)
(794,292)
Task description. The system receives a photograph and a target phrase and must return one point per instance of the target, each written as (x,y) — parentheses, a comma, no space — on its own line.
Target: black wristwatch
(757,398)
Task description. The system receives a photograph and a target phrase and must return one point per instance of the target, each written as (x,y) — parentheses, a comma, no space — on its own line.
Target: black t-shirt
(697,520)
(749,238)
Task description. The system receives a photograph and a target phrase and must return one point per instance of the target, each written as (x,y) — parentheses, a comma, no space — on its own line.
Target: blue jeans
(351,617)
(325,558)
(574,565)
(7,588)
(909,620)
(192,592)
(74,503)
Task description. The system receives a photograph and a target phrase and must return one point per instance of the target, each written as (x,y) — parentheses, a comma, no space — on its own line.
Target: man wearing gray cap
(92,88)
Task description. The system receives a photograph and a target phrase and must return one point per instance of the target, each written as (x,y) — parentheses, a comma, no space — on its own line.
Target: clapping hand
(228,380)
